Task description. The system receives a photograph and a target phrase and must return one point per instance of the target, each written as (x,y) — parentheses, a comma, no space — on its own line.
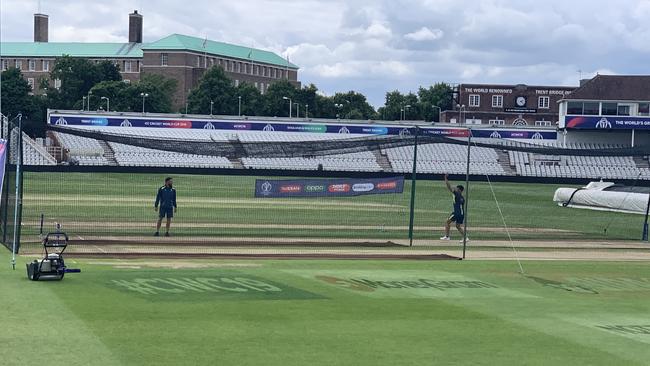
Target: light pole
(89,94)
(461,108)
(338,106)
(290,104)
(211,106)
(83,103)
(406,108)
(239,106)
(144,96)
(439,112)
(297,109)
(306,111)
(108,103)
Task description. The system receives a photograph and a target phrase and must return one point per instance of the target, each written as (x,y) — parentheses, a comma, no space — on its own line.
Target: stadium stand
(33,153)
(595,167)
(436,158)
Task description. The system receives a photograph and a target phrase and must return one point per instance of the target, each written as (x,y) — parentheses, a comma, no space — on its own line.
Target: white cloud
(424,34)
(374,46)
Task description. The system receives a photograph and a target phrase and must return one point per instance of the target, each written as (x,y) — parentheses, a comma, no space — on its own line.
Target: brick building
(512,105)
(180,57)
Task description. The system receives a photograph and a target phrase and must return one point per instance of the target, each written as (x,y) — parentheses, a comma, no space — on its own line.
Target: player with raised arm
(166,197)
(458,216)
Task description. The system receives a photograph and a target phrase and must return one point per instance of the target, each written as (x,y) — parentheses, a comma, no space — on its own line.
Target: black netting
(240,149)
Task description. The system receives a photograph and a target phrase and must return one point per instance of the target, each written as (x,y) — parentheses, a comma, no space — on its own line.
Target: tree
(435,99)
(391,110)
(126,97)
(78,76)
(214,86)
(252,101)
(16,99)
(353,105)
(274,103)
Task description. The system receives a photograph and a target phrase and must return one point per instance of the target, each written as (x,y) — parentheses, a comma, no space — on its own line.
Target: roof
(614,87)
(182,42)
(77,49)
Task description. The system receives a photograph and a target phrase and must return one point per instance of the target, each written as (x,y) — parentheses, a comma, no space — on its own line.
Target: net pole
(413,180)
(19,159)
(469,145)
(645,222)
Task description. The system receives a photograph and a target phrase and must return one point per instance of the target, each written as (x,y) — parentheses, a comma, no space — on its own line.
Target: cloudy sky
(382,45)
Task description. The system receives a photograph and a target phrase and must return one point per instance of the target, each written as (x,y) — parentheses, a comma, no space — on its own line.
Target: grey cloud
(373,46)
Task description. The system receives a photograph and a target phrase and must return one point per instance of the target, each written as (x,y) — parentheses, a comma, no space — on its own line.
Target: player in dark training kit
(458,216)
(166,197)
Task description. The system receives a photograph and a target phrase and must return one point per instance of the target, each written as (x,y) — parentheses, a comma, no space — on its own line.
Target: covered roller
(605,196)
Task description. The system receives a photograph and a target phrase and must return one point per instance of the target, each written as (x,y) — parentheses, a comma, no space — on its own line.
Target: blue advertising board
(339,187)
(272,126)
(607,122)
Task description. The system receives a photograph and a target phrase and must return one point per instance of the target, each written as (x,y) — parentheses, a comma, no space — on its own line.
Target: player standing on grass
(166,197)
(458,216)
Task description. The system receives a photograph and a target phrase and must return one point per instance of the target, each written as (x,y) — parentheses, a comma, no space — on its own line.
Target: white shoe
(444,238)
(466,240)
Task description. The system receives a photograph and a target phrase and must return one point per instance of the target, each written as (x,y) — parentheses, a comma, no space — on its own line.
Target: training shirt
(166,197)
(459,203)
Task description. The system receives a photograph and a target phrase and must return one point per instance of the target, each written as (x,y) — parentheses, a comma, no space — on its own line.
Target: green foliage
(17,99)
(423,106)
(214,86)
(127,98)
(252,102)
(78,76)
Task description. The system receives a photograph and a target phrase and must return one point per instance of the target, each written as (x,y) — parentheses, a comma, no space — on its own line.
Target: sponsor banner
(132,121)
(3,160)
(343,187)
(607,122)
(516,134)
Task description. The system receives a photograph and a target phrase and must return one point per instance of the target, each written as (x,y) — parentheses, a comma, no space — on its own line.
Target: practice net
(319,213)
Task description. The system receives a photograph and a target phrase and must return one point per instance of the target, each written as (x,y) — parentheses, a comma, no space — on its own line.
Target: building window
(520,122)
(211,62)
(544,102)
(542,123)
(57,83)
(497,101)
(591,108)
(46,65)
(30,82)
(256,85)
(4,65)
(473,121)
(574,108)
(474,100)
(610,109)
(261,88)
(497,122)
(275,73)
(239,67)
(31,64)
(236,83)
(19,64)
(623,110)
(164,59)
(257,70)
(127,66)
(198,61)
(644,109)
(127,81)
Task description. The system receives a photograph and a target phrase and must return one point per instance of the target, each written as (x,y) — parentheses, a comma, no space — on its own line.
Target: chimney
(135,27)
(40,27)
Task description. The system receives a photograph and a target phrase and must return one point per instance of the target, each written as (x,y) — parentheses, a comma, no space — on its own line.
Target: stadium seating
(432,158)
(445,158)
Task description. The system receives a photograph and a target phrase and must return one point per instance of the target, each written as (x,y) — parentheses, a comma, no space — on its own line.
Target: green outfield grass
(122,205)
(328,313)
